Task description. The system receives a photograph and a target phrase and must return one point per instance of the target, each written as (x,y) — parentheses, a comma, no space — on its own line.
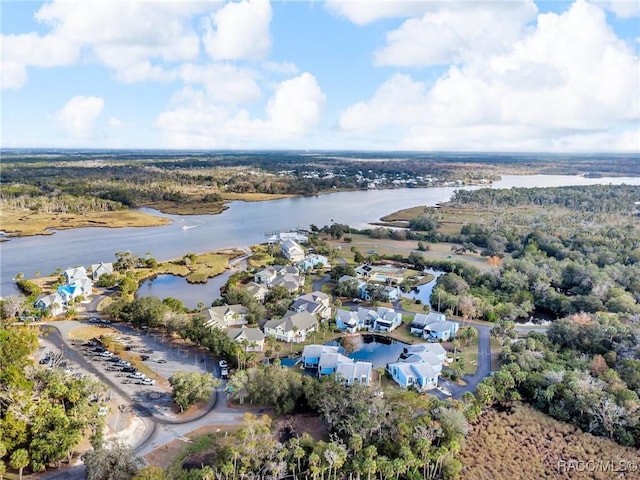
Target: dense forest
(44,413)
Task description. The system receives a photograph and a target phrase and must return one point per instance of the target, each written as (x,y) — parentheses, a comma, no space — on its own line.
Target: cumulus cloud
(568,78)
(455,32)
(239,31)
(223,82)
(124,36)
(77,118)
(621,8)
(398,101)
(362,12)
(294,110)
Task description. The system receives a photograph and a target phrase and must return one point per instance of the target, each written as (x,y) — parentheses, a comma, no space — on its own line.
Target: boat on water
(187,227)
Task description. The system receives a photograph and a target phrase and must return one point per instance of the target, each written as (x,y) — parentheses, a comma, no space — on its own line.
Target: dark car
(144,357)
(161,360)
(129,369)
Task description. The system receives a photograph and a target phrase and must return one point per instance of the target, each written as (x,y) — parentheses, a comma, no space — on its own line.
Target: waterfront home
(392,293)
(257,291)
(352,321)
(418,369)
(226,316)
(68,293)
(50,305)
(292,327)
(73,274)
(433,326)
(316,303)
(292,250)
(311,354)
(282,236)
(435,348)
(252,339)
(99,269)
(387,320)
(328,361)
(271,273)
(312,261)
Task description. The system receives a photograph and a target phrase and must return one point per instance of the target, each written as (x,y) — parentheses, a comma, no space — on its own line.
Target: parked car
(144,357)
(146,381)
(161,360)
(128,369)
(138,375)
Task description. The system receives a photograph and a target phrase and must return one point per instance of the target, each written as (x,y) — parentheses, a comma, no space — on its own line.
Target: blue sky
(507,75)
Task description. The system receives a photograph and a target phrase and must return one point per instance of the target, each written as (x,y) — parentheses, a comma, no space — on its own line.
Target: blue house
(312,261)
(311,354)
(419,369)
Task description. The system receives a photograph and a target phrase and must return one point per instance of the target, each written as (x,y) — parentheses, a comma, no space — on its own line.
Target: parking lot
(145,363)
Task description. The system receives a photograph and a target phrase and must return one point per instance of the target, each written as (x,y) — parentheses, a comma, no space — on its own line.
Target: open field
(529,445)
(386,246)
(24,223)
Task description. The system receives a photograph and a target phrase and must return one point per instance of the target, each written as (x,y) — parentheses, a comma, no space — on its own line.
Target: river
(241,225)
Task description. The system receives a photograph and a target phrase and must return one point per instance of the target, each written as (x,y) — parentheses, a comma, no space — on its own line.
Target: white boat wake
(187,227)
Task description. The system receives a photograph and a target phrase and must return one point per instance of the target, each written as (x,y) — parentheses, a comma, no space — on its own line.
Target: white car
(138,375)
(223,364)
(146,381)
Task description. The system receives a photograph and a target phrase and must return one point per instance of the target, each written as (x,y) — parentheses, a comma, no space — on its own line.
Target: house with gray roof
(316,303)
(73,274)
(292,250)
(99,269)
(418,367)
(327,360)
(226,316)
(251,338)
(257,291)
(52,305)
(269,274)
(433,326)
(292,327)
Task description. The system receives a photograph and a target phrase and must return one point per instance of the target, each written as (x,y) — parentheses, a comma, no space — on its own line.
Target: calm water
(242,224)
(423,293)
(371,348)
(190,294)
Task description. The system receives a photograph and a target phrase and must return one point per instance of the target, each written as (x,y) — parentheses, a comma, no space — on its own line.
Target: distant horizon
(315,151)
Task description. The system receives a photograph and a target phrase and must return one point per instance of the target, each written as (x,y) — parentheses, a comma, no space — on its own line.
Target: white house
(387,320)
(292,250)
(292,327)
(99,269)
(292,282)
(271,273)
(73,274)
(251,338)
(257,291)
(282,236)
(226,316)
(328,361)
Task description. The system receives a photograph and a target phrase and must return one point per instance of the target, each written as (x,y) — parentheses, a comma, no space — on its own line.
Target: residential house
(73,274)
(312,261)
(271,273)
(363,270)
(99,269)
(433,326)
(316,303)
(392,293)
(328,361)
(282,236)
(292,250)
(387,320)
(251,338)
(292,327)
(291,282)
(419,367)
(68,293)
(51,305)
(257,291)
(226,316)
(85,285)
(311,354)
(435,348)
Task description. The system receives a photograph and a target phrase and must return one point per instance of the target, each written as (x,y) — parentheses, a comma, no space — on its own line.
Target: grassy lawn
(411,306)
(496,348)
(470,356)
(89,332)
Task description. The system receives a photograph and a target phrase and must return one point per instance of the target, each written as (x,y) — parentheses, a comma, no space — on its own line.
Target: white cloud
(12,75)
(622,8)
(223,82)
(567,79)
(124,36)
(78,116)
(454,32)
(362,12)
(239,31)
(398,101)
(195,121)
